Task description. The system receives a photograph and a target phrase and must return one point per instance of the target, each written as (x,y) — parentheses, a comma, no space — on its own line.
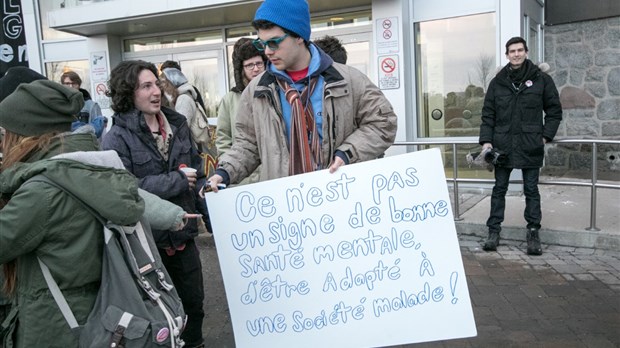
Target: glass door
(205,70)
(455,63)
(455,56)
(358,51)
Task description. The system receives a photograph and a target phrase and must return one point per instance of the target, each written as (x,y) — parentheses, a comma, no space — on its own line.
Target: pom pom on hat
(292,15)
(40,107)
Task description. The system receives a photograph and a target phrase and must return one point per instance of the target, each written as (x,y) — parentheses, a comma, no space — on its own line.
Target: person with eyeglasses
(91,112)
(305,112)
(248,63)
(154,143)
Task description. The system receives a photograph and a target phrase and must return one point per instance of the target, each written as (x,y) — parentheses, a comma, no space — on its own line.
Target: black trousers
(532,213)
(185,270)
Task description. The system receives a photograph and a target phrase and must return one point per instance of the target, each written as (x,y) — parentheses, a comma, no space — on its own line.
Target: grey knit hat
(175,76)
(40,107)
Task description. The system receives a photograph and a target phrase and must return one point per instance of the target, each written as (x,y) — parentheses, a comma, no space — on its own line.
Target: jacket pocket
(142,163)
(501,138)
(531,140)
(182,153)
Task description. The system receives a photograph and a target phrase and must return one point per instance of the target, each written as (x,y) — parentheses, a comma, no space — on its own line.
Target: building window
(340,21)
(48,33)
(55,69)
(172,41)
(456,60)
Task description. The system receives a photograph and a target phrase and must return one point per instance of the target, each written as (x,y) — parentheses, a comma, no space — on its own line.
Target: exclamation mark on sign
(453,279)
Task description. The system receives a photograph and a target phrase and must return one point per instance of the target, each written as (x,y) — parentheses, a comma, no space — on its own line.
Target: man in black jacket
(513,126)
(154,143)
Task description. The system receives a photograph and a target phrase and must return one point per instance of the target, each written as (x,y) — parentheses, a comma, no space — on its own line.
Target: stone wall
(584,58)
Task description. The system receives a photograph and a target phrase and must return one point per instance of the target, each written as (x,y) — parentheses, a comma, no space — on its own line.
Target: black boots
(533,242)
(492,242)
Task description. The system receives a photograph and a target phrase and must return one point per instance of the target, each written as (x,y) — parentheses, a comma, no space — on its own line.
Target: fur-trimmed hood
(244,49)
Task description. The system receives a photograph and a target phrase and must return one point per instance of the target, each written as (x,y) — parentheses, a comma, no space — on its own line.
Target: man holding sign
(305,112)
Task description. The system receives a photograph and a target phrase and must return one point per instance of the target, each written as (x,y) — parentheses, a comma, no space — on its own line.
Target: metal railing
(593,184)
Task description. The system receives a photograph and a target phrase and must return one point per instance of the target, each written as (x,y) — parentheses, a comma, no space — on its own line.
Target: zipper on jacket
(269,94)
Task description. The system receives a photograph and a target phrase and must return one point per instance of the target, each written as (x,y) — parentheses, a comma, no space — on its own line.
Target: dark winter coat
(41,221)
(512,120)
(131,138)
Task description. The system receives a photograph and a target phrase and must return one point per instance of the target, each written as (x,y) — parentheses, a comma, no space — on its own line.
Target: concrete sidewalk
(565,216)
(568,297)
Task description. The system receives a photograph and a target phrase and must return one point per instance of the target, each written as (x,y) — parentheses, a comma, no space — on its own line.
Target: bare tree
(484,69)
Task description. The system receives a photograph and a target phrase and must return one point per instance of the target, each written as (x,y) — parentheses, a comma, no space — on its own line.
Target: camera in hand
(496,157)
(83,117)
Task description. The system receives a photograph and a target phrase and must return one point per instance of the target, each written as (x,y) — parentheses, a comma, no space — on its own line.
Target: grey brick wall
(584,58)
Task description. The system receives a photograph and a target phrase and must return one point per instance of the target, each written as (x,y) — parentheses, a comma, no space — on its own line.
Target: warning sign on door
(389,75)
(386,35)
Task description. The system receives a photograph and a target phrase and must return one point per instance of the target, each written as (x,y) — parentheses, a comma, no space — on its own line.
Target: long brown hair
(168,87)
(18,148)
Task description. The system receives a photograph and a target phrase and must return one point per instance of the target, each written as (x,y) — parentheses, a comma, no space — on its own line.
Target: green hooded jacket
(40,221)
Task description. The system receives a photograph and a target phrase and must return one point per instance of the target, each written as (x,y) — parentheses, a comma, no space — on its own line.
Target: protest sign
(365,257)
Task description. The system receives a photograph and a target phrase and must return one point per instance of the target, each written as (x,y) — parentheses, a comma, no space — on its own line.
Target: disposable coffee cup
(188,170)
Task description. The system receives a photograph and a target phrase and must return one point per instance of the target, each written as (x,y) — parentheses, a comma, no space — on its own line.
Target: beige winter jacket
(357,119)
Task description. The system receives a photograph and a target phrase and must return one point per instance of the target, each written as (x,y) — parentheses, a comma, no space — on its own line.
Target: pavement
(567,297)
(566,218)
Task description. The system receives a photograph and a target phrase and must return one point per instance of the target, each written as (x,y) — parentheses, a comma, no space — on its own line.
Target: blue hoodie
(319,61)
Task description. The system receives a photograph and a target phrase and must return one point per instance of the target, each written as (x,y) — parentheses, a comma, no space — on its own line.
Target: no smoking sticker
(101,89)
(388,72)
(388,65)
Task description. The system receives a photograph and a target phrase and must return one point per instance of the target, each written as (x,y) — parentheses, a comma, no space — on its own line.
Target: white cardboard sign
(365,257)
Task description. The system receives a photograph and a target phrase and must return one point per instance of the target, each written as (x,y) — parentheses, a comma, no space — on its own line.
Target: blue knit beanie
(292,15)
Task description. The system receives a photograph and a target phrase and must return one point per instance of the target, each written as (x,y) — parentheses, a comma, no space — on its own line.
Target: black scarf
(522,73)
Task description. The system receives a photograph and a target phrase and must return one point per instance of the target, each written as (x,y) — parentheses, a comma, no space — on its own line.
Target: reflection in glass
(533,39)
(340,21)
(358,55)
(81,67)
(204,75)
(455,62)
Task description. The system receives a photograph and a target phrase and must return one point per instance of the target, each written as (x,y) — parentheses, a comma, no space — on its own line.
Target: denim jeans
(532,213)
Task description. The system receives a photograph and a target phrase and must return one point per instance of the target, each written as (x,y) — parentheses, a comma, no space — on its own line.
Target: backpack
(137,305)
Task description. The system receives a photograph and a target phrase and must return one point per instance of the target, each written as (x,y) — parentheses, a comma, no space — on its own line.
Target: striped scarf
(305,143)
